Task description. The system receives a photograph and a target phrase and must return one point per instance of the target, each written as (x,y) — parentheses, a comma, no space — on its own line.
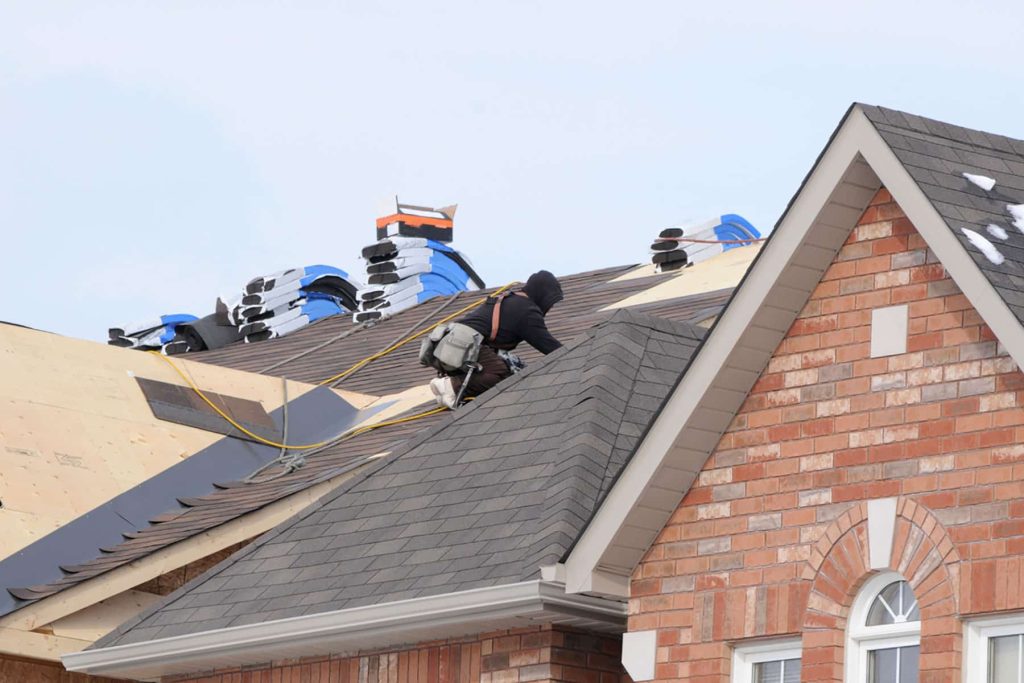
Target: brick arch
(838,566)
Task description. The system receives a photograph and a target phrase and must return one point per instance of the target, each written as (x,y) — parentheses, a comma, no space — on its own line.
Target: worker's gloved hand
(515,363)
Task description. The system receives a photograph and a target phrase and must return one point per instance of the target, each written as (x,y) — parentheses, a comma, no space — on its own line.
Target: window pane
(894,604)
(882,666)
(791,671)
(909,657)
(768,672)
(894,665)
(1004,659)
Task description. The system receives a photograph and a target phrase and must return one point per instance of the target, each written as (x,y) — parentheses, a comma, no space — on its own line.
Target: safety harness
(455,348)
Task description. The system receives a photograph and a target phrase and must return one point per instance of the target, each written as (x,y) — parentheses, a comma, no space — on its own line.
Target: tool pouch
(451,348)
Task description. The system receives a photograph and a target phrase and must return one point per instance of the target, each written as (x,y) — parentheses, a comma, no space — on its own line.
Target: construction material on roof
(677,248)
(410,263)
(150,334)
(274,305)
(409,220)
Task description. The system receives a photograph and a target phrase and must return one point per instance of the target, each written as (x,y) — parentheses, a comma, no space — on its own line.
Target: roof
(502,488)
(586,295)
(937,155)
(325,349)
(63,402)
(920,163)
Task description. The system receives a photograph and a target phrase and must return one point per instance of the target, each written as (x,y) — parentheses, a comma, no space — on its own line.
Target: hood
(543,289)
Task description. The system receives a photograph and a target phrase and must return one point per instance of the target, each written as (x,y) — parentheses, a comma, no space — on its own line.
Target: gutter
(392,624)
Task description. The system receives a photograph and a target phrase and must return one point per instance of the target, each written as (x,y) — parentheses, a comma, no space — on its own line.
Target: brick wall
(771,539)
(17,670)
(537,654)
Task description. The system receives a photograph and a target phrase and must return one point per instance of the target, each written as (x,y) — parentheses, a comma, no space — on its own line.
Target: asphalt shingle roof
(937,155)
(504,486)
(587,293)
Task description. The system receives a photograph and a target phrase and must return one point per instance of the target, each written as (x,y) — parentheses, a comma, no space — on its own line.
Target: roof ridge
(974,137)
(572,500)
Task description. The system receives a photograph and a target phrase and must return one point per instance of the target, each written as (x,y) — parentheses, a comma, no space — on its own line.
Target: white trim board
(854,165)
(408,621)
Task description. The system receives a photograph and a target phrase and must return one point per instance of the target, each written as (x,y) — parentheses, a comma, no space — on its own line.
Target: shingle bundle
(709,238)
(412,262)
(404,271)
(149,335)
(274,305)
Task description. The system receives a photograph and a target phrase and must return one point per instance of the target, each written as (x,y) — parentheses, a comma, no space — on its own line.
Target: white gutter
(342,631)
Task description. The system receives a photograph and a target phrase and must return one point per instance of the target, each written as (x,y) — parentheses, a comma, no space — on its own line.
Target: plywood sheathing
(97,620)
(75,429)
(718,272)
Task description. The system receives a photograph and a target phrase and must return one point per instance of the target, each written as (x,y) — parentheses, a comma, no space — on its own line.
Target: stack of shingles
(274,305)
(150,335)
(412,262)
(675,248)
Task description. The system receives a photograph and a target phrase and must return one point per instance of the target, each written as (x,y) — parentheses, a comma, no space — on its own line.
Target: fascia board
(328,632)
(628,491)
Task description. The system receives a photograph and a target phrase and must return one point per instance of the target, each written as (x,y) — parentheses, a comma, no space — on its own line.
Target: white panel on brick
(639,650)
(889,331)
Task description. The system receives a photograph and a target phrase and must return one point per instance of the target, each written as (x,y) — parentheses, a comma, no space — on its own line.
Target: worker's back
(521,315)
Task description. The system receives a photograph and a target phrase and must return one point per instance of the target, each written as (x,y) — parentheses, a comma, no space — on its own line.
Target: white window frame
(744,657)
(862,639)
(977,633)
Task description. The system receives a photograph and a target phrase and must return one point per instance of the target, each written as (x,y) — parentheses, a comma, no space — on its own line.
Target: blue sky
(154,155)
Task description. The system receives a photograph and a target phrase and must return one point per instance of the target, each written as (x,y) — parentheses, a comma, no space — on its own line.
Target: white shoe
(444,392)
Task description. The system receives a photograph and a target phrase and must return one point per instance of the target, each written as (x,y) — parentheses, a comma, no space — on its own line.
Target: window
(767,662)
(995,650)
(883,643)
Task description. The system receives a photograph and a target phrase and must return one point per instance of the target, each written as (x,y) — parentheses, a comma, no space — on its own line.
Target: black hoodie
(522,315)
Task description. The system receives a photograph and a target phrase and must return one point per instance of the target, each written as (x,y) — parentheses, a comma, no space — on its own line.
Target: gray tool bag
(451,348)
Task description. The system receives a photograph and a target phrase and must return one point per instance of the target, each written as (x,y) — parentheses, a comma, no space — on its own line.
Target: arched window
(884,633)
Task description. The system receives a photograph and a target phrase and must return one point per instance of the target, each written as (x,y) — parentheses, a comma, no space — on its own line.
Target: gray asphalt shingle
(503,488)
(936,155)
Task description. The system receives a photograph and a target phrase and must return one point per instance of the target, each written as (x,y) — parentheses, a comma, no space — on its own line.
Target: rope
(692,240)
(291,463)
(305,447)
(410,330)
(321,345)
(380,354)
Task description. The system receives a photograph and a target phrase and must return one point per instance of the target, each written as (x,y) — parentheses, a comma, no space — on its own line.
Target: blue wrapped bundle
(709,238)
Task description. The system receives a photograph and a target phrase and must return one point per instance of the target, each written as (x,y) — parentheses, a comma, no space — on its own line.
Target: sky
(154,155)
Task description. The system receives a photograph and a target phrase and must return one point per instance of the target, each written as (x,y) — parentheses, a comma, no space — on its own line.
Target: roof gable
(866,151)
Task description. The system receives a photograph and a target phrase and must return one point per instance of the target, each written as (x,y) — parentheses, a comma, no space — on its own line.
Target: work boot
(444,392)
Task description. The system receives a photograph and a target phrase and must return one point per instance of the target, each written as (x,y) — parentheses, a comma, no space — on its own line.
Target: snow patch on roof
(984,246)
(982,181)
(996,231)
(1017,211)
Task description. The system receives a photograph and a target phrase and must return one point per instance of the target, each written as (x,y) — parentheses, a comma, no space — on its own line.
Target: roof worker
(490,332)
